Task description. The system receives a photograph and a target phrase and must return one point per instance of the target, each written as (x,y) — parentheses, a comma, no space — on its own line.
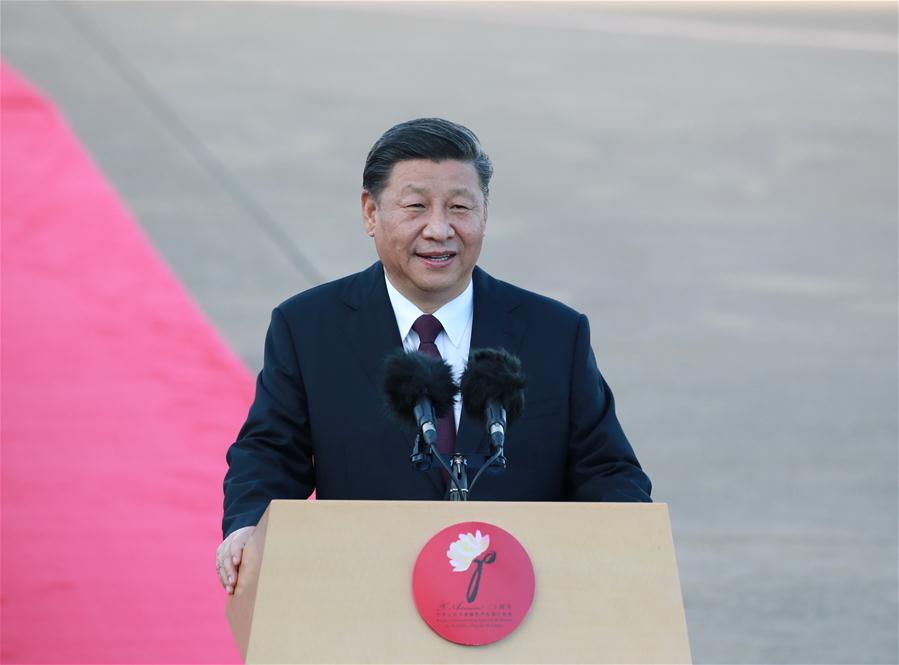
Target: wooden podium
(331,582)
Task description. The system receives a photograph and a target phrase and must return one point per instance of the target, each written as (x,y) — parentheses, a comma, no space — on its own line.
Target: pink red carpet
(118,402)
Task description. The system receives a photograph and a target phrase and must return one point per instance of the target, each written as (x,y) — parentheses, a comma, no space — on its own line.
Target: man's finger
(221,553)
(227,570)
(223,575)
(220,571)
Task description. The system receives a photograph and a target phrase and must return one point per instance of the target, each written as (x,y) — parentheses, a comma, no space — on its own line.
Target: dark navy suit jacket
(319,420)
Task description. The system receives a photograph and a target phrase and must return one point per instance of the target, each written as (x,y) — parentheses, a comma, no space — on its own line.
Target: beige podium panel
(331,582)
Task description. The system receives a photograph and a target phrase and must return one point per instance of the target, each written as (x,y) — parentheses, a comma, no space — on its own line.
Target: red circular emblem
(473,583)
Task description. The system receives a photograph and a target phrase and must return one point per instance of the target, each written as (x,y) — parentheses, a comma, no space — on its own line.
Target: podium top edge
(618,505)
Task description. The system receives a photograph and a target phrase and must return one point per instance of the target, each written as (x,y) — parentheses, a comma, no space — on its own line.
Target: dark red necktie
(428,327)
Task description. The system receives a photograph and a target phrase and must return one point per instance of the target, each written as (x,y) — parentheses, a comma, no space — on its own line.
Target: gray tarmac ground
(714,185)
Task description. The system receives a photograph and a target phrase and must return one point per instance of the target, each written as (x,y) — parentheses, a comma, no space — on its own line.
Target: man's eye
(417,206)
(460,207)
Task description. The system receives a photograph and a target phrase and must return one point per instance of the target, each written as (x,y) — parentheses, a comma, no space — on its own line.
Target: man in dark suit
(319,421)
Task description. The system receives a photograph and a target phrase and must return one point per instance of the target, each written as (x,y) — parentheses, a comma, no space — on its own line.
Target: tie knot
(428,327)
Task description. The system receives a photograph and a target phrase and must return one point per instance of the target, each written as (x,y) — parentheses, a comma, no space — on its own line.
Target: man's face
(428,225)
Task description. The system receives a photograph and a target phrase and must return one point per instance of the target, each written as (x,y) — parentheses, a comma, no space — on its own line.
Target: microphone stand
(456,469)
(459,476)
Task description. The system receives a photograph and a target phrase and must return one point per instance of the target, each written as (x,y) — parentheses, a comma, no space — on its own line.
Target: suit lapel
(372,331)
(372,335)
(494,325)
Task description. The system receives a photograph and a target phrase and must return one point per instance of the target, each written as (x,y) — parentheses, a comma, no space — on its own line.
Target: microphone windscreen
(493,374)
(409,377)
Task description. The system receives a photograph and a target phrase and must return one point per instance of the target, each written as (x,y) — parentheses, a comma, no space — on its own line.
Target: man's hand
(228,555)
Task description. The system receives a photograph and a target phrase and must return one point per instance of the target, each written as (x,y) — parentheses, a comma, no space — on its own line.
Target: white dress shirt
(453,342)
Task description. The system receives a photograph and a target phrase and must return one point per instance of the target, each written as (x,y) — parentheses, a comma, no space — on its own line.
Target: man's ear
(369,208)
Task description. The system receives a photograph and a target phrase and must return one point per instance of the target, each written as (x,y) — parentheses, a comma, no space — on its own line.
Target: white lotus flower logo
(465,550)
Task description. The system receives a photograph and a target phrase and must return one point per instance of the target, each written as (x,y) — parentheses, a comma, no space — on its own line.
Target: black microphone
(493,389)
(420,390)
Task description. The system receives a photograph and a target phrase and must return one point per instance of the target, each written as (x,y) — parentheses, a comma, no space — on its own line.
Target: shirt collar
(454,316)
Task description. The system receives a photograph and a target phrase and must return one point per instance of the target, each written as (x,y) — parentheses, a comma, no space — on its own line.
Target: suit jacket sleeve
(601,465)
(272,457)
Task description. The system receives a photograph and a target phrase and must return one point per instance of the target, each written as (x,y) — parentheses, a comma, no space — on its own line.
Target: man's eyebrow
(416,189)
(461,190)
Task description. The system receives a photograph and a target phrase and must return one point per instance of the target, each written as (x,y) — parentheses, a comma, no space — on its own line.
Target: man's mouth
(436,257)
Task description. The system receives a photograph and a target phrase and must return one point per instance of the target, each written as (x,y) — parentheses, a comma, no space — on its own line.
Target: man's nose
(438,227)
